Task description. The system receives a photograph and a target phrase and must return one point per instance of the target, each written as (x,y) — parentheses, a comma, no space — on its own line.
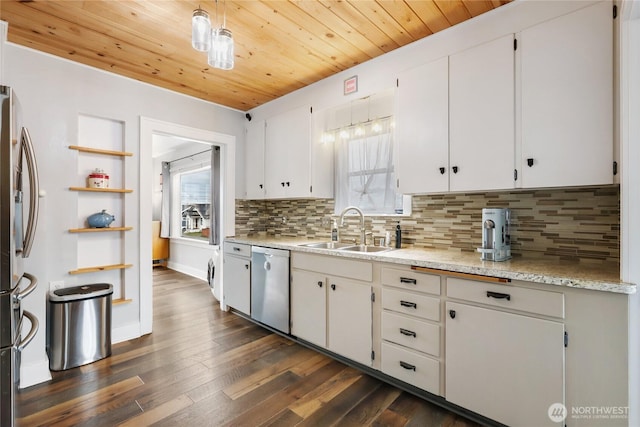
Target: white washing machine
(214,273)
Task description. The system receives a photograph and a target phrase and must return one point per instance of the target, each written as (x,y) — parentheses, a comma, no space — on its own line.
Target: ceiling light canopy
(217,41)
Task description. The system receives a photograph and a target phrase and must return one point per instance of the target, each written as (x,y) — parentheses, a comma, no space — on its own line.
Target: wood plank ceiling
(280,46)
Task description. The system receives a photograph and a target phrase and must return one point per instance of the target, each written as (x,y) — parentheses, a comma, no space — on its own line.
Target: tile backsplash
(579,224)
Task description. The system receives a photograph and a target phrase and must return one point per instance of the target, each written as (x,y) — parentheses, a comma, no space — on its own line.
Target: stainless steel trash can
(79,325)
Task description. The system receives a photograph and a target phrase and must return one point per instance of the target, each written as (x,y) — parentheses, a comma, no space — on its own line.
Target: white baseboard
(125,333)
(190,271)
(34,373)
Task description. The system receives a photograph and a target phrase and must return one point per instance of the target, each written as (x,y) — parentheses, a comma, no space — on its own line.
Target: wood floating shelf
(100,151)
(120,301)
(99,230)
(101,190)
(100,268)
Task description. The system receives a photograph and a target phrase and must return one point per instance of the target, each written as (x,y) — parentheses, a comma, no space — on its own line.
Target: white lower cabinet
(410,327)
(496,349)
(411,367)
(349,320)
(237,276)
(330,311)
(309,306)
(505,366)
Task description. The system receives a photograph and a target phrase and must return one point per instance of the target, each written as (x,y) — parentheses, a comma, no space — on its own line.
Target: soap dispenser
(398,236)
(334,231)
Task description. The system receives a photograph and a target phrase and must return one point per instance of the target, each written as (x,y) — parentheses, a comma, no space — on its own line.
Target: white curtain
(364,167)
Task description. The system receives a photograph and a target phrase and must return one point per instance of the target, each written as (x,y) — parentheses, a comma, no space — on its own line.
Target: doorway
(148,129)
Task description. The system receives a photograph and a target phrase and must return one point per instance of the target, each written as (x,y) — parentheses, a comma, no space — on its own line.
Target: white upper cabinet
(254,160)
(567,99)
(482,117)
(422,128)
(288,154)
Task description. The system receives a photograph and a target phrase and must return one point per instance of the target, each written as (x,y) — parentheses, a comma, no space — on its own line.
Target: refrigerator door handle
(32,333)
(34,283)
(34,191)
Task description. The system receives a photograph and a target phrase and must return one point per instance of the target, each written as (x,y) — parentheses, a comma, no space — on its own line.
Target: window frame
(176,204)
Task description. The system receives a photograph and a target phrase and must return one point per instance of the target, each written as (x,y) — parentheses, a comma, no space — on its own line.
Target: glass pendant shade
(201,30)
(221,51)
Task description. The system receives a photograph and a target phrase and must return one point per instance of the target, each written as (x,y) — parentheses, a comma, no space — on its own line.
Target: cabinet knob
(282,183)
(287,183)
(333,287)
(260,186)
(320,283)
(452,314)
(442,170)
(246,266)
(529,162)
(454,169)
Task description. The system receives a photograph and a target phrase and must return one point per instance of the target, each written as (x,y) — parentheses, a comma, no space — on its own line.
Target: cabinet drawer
(411,303)
(411,367)
(412,280)
(535,301)
(334,265)
(413,333)
(238,249)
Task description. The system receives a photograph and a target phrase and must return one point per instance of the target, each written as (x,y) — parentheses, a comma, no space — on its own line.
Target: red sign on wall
(351,85)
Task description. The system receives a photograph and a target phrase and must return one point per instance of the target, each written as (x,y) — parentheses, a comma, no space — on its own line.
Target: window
(195,203)
(364,168)
(362,134)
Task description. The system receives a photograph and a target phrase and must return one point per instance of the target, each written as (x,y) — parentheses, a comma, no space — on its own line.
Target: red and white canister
(98,179)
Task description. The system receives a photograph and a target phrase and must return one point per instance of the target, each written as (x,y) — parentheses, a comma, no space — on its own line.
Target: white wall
(52,93)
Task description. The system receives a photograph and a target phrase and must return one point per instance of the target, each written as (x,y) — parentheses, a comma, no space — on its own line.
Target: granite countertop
(600,277)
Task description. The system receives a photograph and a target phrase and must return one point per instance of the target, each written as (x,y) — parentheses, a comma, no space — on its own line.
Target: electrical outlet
(54,285)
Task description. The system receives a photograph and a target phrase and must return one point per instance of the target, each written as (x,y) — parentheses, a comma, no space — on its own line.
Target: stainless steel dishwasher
(270,287)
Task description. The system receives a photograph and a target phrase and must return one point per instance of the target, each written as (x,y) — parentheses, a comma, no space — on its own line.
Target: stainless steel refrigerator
(18,198)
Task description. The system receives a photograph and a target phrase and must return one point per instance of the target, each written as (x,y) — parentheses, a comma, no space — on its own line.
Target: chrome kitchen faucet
(363,231)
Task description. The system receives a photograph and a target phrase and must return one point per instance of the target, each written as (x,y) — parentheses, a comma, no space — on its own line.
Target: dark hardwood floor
(205,367)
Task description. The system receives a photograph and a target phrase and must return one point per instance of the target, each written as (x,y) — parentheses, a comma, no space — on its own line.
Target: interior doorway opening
(162,132)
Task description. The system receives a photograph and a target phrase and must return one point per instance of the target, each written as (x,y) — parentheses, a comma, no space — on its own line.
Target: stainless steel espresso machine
(496,234)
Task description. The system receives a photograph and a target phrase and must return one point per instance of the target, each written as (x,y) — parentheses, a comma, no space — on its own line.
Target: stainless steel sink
(365,248)
(326,245)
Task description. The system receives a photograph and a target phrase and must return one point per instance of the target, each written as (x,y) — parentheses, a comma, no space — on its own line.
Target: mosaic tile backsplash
(578,224)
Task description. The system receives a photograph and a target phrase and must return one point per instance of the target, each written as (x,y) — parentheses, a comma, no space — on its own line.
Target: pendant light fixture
(217,41)
(201,30)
